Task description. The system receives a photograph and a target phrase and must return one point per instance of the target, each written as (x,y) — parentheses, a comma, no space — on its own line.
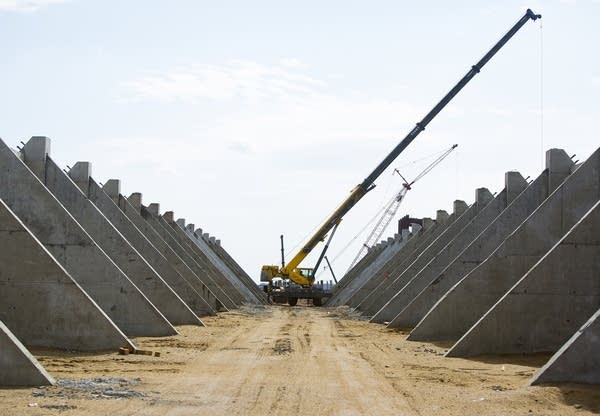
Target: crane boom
(291,269)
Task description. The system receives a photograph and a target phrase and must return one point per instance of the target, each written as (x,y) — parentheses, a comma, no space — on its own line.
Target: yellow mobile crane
(303,278)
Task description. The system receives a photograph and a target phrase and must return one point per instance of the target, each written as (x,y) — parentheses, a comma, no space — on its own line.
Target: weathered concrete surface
(549,303)
(391,248)
(207,303)
(487,283)
(578,360)
(118,249)
(442,321)
(224,294)
(76,251)
(18,368)
(216,247)
(353,273)
(176,309)
(364,298)
(392,302)
(41,302)
(206,259)
(413,311)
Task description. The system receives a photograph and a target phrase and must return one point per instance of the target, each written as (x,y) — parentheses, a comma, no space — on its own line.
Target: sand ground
(292,361)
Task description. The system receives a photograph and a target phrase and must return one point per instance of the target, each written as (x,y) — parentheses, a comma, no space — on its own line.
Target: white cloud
(236,80)
(596,81)
(26,5)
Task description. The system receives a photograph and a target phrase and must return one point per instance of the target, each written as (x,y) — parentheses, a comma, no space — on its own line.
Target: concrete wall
(549,303)
(209,303)
(364,298)
(18,368)
(76,251)
(114,244)
(391,248)
(180,313)
(207,259)
(443,320)
(217,248)
(411,312)
(222,287)
(478,291)
(390,301)
(43,305)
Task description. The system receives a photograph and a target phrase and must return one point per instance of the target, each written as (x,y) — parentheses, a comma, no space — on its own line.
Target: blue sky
(252,119)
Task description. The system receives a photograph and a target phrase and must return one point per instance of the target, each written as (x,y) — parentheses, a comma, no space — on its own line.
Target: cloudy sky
(255,119)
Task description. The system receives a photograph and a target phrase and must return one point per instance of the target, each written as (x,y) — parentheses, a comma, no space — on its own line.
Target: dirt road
(292,361)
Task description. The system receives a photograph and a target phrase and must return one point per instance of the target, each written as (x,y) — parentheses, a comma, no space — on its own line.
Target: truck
(302,279)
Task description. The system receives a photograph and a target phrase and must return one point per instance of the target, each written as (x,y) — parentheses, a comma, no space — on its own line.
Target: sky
(255,119)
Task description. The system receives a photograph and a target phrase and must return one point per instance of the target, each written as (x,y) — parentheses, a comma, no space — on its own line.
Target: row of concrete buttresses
(85,268)
(517,272)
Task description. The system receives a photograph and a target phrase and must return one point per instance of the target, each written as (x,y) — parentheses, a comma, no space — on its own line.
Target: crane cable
(384,204)
(425,171)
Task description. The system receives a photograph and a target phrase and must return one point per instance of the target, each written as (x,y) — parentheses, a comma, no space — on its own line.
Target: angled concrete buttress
(234,289)
(43,305)
(577,361)
(114,245)
(228,294)
(443,320)
(107,200)
(490,281)
(208,258)
(127,258)
(413,311)
(122,246)
(75,250)
(18,368)
(217,248)
(367,293)
(395,299)
(394,278)
(391,248)
(549,303)
(151,215)
(207,303)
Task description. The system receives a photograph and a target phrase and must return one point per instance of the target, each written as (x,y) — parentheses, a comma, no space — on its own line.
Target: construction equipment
(391,208)
(301,280)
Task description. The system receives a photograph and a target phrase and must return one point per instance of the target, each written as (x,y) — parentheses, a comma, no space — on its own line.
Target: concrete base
(578,360)
(547,305)
(41,302)
(18,368)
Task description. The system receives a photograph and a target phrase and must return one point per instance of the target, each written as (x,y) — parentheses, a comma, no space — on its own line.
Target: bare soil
(281,360)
